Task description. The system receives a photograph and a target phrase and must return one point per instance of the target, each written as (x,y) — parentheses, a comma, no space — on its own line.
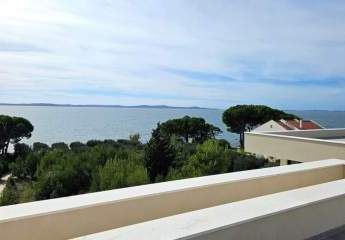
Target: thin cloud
(207,53)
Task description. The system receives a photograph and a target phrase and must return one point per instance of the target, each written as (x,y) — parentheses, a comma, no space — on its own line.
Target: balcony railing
(292,202)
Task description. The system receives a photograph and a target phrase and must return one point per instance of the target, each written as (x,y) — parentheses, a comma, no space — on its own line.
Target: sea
(68,124)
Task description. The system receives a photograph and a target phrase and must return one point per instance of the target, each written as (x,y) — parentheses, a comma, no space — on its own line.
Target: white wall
(74,216)
(269,126)
(301,146)
(296,214)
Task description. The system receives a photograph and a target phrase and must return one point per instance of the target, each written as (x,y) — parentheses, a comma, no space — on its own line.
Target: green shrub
(60,145)
(21,150)
(122,172)
(211,157)
(38,146)
(10,193)
(25,167)
(159,155)
(77,146)
(242,161)
(92,143)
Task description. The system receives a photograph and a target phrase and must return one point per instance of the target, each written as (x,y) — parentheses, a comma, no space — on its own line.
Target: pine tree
(159,155)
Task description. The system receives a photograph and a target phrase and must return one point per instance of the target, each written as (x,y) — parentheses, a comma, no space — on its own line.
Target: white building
(284,125)
(297,145)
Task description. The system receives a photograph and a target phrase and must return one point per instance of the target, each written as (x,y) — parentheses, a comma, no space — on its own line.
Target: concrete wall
(42,220)
(299,223)
(282,145)
(317,133)
(295,214)
(269,126)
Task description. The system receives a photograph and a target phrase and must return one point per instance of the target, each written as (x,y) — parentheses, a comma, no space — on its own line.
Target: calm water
(68,124)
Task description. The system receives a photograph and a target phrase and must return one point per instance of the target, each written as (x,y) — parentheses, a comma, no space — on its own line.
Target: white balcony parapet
(295,214)
(300,145)
(85,214)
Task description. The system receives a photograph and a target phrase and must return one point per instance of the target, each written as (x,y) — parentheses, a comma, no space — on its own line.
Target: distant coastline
(145,106)
(100,105)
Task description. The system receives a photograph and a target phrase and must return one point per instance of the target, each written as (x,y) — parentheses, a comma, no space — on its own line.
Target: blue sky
(286,54)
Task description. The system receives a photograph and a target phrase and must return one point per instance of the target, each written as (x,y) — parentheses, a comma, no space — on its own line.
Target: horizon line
(103,105)
(38,104)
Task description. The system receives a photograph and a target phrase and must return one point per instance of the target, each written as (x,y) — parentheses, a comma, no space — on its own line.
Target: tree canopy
(241,118)
(211,157)
(13,130)
(159,155)
(190,128)
(42,172)
(126,172)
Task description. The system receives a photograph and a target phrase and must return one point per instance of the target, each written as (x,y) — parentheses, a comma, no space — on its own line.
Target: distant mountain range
(97,105)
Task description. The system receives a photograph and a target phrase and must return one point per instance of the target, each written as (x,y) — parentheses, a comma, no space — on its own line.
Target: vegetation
(13,130)
(211,157)
(159,155)
(242,118)
(122,172)
(43,172)
(190,129)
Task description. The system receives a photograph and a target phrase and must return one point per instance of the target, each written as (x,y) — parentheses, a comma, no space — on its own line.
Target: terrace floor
(334,234)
